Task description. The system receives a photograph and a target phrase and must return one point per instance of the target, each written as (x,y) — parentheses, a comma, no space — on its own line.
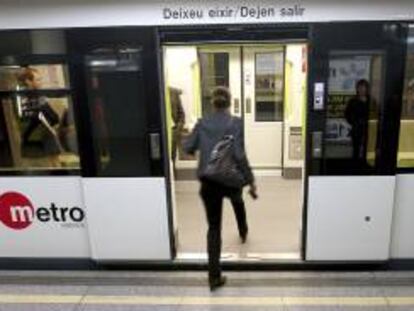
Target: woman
(206,134)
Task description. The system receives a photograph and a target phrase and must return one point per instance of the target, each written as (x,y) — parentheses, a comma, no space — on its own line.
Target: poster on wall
(338,130)
(344,73)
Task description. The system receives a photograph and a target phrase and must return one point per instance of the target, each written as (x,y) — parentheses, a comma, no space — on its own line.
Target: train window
(37,127)
(269,86)
(354,95)
(406,141)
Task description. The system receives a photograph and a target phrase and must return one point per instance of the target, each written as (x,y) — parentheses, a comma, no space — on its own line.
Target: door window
(354,95)
(269,87)
(117,108)
(406,141)
(214,72)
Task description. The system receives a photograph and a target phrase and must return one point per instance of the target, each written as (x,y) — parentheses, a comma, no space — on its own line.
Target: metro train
(96,99)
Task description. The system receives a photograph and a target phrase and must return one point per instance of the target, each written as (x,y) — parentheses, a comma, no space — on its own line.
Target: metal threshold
(241,257)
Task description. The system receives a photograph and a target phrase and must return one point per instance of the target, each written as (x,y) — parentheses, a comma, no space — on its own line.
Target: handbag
(222,166)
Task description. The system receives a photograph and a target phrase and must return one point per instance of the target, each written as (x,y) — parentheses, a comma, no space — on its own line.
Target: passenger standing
(205,136)
(178,117)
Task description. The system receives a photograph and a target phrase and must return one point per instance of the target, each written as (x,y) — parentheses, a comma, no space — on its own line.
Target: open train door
(352,141)
(123,175)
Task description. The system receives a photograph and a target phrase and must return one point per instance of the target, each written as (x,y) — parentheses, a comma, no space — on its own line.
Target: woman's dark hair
(362,82)
(221,97)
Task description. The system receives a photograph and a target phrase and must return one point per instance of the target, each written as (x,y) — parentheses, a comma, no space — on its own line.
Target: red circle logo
(16,210)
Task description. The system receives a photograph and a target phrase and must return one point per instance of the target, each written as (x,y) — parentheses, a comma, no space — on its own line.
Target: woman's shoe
(243,237)
(216,283)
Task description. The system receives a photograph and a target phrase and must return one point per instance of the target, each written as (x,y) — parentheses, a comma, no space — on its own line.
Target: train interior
(268,84)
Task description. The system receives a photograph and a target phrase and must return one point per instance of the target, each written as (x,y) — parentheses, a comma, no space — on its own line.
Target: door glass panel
(118,115)
(214,72)
(354,95)
(269,87)
(406,141)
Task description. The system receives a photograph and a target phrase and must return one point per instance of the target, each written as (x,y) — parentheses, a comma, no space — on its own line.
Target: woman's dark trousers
(212,195)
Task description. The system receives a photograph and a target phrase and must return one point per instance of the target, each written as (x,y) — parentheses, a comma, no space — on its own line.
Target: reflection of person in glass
(39,113)
(357,115)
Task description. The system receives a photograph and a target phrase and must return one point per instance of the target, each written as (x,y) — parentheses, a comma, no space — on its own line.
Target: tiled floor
(274,219)
(253,291)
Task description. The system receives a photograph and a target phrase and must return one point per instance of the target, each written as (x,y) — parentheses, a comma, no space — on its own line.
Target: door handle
(319,96)
(248,105)
(155,146)
(317,145)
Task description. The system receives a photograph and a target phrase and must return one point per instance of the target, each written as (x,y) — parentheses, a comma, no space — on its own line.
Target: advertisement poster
(344,73)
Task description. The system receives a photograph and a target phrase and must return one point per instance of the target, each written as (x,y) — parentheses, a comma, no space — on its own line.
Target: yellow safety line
(40,299)
(132,300)
(341,301)
(401,301)
(208,300)
(233,301)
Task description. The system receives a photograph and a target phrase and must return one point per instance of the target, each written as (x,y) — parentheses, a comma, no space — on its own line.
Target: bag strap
(228,127)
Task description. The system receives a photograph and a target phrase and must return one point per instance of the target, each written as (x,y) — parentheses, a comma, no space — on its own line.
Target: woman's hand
(253,191)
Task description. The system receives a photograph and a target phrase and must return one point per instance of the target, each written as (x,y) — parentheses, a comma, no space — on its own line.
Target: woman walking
(207,133)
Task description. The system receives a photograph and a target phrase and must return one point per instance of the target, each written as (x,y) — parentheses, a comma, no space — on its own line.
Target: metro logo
(17,212)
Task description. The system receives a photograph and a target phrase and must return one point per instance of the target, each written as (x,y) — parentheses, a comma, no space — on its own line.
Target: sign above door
(88,13)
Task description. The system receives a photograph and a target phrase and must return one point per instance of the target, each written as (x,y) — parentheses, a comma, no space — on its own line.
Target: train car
(97,98)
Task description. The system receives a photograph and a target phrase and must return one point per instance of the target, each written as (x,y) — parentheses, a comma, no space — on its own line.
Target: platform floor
(274,221)
(187,291)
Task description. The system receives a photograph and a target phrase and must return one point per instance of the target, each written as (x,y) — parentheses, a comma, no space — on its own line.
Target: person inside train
(357,114)
(211,136)
(178,118)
